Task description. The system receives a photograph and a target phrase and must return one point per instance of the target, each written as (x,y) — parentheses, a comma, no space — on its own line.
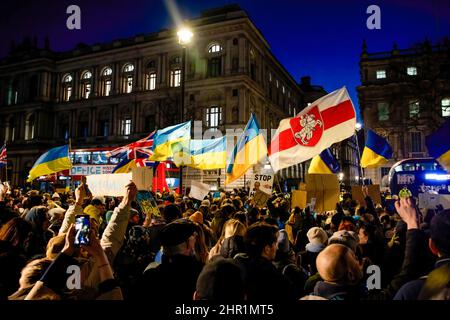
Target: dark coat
(173,280)
(232,246)
(11,263)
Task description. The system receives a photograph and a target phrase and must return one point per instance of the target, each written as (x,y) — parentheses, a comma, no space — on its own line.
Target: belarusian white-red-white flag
(327,120)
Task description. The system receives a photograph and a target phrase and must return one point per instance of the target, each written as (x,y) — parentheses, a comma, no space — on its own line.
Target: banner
(263,182)
(86,170)
(199,190)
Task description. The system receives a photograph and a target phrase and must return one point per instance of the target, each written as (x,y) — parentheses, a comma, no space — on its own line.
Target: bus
(419,175)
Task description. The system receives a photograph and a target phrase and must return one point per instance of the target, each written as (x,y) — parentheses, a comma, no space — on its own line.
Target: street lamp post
(358,128)
(184,38)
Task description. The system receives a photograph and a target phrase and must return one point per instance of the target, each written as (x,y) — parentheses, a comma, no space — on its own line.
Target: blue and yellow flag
(438,145)
(54,160)
(376,152)
(249,150)
(324,163)
(208,154)
(169,140)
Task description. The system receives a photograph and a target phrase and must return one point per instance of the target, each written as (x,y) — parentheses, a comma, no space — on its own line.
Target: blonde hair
(55,246)
(233,227)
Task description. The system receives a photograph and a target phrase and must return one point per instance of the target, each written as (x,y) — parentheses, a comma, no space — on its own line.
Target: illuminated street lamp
(358,126)
(341,176)
(184,38)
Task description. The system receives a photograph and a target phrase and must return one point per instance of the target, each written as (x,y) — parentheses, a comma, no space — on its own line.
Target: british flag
(3,161)
(136,154)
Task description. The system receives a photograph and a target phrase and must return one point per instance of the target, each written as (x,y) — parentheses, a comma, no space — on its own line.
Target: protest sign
(263,182)
(430,201)
(298,199)
(260,198)
(373,190)
(322,192)
(109,184)
(199,190)
(147,203)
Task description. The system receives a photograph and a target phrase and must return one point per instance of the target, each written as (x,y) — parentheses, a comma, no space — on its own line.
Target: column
(96,82)
(242,60)
(116,76)
(138,75)
(228,57)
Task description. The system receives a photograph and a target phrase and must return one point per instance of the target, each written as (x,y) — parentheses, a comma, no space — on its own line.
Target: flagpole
(360,169)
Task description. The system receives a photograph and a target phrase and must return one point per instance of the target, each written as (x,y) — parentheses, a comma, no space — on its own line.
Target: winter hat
(206,203)
(347,238)
(197,217)
(317,235)
(56,196)
(93,212)
(176,232)
(283,241)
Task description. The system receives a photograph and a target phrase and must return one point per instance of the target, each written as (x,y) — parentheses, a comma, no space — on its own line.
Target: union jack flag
(141,149)
(3,162)
(135,154)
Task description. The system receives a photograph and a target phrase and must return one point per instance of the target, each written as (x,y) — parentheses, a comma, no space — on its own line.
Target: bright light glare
(184,36)
(435,176)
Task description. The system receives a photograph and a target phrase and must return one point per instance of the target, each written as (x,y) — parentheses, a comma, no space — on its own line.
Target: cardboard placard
(298,199)
(260,198)
(430,201)
(324,188)
(199,190)
(147,203)
(374,193)
(263,182)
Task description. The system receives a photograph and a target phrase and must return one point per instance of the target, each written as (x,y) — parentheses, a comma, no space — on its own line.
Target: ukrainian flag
(249,150)
(168,140)
(438,145)
(324,163)
(208,154)
(376,152)
(54,160)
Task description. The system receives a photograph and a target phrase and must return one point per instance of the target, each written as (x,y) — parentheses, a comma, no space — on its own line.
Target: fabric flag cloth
(54,160)
(438,144)
(171,140)
(208,154)
(3,158)
(327,120)
(376,152)
(324,163)
(249,150)
(134,155)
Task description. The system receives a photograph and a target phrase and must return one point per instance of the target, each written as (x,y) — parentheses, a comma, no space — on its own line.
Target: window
(235,41)
(445,107)
(106,82)
(384,171)
(383,111)
(86,75)
(214,48)
(104,128)
(175,78)
(214,67)
(235,92)
(129,84)
(86,84)
(107,87)
(283,89)
(150,123)
(235,64)
(270,77)
(126,126)
(86,90)
(67,87)
(128,67)
(416,142)
(277,82)
(67,93)
(381,74)
(83,127)
(107,71)
(151,81)
(411,71)
(414,109)
(213,116)
(29,128)
(67,78)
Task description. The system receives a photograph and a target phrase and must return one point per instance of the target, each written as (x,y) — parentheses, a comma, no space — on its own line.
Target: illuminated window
(108,85)
(411,71)
(107,71)
(106,82)
(126,126)
(128,67)
(67,78)
(151,81)
(214,48)
(445,107)
(67,87)
(213,116)
(175,78)
(86,75)
(128,83)
(414,109)
(381,74)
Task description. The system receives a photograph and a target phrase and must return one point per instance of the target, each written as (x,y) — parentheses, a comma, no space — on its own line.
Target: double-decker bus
(419,175)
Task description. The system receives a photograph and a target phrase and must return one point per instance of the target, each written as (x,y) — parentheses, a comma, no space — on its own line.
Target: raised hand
(408,212)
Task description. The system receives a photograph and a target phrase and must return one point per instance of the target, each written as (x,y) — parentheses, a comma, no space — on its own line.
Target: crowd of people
(220,249)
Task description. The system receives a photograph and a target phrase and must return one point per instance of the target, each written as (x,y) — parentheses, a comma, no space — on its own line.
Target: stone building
(404,96)
(107,95)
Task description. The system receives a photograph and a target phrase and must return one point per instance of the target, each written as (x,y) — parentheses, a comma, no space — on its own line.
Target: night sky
(320,38)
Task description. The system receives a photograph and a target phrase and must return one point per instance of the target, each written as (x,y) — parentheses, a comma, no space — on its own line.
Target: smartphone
(83,228)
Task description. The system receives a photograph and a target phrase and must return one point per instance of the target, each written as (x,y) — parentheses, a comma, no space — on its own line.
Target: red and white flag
(327,120)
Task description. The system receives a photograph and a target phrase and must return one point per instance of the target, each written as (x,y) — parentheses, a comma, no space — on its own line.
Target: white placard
(199,190)
(109,184)
(142,177)
(263,182)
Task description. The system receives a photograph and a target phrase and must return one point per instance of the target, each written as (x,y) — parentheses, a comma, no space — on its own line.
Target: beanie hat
(197,217)
(93,212)
(347,238)
(317,235)
(176,232)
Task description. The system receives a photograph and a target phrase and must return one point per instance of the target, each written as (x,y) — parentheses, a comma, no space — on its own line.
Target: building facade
(108,95)
(404,96)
